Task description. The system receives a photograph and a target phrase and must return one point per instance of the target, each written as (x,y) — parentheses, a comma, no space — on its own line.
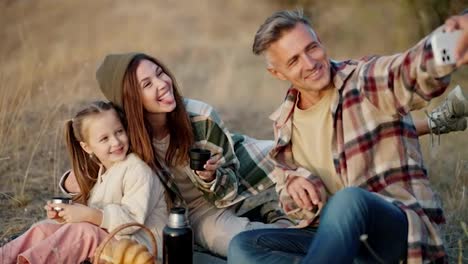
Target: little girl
(116,187)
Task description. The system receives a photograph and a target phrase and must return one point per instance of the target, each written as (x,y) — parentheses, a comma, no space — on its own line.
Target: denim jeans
(348,216)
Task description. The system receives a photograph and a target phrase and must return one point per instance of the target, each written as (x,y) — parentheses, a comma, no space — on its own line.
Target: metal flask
(177,239)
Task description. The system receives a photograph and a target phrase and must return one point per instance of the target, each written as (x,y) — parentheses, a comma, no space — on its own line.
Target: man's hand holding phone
(459,23)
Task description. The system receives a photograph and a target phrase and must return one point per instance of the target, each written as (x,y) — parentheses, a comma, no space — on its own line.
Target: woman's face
(156,88)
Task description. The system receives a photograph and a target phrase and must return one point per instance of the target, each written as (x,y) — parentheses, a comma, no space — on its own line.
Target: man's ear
(85,147)
(276,73)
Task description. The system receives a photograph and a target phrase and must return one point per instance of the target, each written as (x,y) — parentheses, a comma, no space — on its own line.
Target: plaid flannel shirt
(245,168)
(375,145)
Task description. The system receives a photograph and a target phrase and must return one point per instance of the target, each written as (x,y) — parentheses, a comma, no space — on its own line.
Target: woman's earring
(91,155)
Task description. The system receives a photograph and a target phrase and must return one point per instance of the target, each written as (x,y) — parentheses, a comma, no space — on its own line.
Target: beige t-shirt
(312,138)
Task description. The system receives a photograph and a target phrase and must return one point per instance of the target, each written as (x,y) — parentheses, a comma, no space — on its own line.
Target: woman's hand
(75,213)
(209,174)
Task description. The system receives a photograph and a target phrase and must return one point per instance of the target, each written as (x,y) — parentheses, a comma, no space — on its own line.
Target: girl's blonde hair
(84,165)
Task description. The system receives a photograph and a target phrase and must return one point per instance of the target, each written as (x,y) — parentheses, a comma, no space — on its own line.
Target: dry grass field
(50,49)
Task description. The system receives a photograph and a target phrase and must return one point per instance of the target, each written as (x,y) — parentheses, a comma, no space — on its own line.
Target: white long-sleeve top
(127,192)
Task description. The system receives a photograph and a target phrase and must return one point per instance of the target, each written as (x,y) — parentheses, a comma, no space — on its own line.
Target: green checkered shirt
(244,169)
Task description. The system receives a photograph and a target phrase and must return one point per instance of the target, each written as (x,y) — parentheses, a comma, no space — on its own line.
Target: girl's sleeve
(137,201)
(62,184)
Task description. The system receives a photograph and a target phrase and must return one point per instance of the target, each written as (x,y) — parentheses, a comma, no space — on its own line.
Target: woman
(163,126)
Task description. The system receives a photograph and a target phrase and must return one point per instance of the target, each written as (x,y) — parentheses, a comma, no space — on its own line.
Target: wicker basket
(110,236)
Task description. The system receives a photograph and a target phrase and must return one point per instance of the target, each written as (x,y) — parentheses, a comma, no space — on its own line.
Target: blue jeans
(348,215)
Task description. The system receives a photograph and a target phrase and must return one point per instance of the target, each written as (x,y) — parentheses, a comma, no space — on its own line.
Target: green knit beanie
(110,75)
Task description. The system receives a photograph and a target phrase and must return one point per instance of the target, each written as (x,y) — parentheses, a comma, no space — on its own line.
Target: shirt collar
(340,71)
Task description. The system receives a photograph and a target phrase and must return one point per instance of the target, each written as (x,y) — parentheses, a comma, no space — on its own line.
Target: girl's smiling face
(105,137)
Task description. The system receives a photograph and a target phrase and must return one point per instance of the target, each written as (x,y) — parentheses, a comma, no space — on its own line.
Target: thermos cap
(177,218)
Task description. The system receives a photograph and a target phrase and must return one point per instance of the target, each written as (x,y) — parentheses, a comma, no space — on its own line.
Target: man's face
(299,57)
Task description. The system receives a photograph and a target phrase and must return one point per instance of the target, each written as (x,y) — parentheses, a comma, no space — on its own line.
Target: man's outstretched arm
(460,23)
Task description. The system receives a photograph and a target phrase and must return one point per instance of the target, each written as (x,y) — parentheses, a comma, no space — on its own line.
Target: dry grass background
(50,50)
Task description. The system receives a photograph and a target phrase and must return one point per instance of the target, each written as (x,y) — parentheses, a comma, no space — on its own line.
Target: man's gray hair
(274,26)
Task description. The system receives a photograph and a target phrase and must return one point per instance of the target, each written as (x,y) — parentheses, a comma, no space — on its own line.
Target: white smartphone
(443,46)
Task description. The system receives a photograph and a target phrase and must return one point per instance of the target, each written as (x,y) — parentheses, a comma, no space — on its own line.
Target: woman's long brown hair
(84,166)
(139,128)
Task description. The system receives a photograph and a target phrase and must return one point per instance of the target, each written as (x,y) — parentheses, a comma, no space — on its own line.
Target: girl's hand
(75,213)
(209,174)
(51,213)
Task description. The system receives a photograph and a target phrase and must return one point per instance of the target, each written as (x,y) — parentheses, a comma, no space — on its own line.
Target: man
(344,134)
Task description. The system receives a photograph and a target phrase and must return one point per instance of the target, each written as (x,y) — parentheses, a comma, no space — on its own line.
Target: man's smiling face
(299,57)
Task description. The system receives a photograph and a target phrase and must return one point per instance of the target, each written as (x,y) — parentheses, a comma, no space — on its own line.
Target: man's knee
(351,193)
(351,199)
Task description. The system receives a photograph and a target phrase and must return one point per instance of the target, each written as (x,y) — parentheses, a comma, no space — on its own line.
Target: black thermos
(177,239)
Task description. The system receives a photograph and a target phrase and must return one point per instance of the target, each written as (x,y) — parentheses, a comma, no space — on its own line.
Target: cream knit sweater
(130,192)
